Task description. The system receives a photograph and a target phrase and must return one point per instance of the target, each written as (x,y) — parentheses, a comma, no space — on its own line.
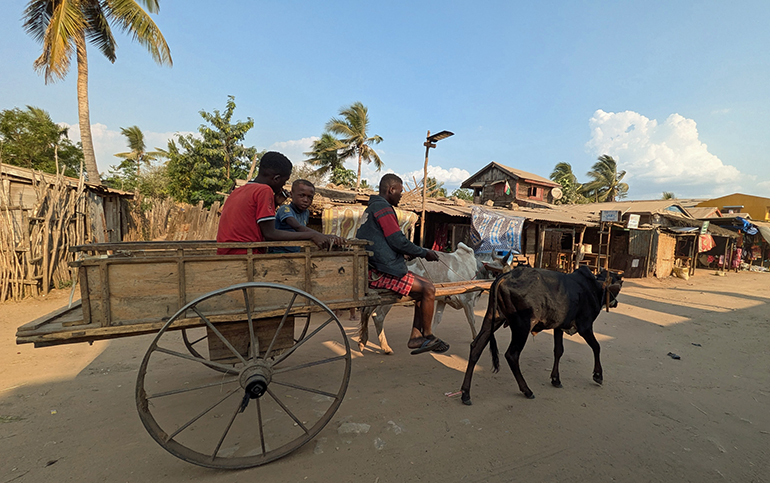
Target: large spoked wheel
(281,378)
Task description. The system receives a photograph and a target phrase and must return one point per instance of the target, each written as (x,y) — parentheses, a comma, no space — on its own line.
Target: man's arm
(270,232)
(387,220)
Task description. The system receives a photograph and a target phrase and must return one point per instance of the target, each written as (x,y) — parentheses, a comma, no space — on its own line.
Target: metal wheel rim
(207,460)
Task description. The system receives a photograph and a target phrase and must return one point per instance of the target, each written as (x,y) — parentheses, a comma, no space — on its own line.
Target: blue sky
(676,91)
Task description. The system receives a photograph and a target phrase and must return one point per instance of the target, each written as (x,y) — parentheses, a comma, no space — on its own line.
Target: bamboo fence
(34,242)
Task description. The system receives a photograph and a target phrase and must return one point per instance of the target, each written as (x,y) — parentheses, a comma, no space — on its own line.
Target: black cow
(534,299)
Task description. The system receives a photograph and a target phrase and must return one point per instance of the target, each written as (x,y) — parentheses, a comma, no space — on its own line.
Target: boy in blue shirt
(294,216)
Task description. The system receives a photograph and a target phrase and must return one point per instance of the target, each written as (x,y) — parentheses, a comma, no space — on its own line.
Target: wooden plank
(56,314)
(139,292)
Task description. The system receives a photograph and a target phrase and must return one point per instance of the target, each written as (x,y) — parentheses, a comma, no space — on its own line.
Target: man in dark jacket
(387,267)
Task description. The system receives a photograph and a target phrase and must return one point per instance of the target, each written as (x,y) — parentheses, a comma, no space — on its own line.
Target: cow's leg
(440,306)
(363,327)
(589,337)
(470,316)
(519,334)
(379,325)
(558,351)
(477,347)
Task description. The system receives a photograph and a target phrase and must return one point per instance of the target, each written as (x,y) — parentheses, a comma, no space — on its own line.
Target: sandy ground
(67,413)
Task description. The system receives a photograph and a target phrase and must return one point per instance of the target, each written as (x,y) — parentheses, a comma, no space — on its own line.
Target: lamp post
(430,142)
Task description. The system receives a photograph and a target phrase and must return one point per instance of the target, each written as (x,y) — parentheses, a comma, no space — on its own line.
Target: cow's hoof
(556,383)
(466,400)
(529,396)
(361,347)
(387,351)
(598,379)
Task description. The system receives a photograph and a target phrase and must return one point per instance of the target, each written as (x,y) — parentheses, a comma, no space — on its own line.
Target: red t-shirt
(244,209)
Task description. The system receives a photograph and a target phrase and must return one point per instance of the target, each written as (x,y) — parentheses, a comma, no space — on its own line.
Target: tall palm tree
(352,126)
(324,153)
(63,26)
(606,184)
(138,154)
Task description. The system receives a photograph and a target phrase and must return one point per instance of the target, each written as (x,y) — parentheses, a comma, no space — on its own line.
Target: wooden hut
(505,186)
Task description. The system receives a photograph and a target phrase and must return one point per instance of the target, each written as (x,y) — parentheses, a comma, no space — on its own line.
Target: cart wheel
(196,341)
(280,382)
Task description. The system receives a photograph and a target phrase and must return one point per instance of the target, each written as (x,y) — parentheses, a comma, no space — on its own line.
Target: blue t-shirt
(282,214)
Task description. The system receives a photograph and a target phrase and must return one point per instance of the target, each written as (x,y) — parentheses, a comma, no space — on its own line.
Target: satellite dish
(556,193)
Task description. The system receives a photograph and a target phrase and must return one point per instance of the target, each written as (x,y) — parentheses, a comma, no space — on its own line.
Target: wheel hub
(255,378)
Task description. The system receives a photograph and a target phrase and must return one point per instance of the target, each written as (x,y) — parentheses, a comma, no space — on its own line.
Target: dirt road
(67,413)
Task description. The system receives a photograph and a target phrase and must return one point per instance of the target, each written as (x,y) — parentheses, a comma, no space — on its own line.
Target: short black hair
(302,182)
(272,163)
(389,180)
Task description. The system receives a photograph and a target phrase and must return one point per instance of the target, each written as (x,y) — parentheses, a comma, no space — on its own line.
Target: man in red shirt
(249,213)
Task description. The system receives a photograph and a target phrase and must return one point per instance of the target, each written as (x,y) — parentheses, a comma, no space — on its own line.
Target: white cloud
(661,157)
(107,142)
(765,185)
(294,150)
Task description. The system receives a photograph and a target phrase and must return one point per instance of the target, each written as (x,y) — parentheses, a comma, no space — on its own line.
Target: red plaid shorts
(402,285)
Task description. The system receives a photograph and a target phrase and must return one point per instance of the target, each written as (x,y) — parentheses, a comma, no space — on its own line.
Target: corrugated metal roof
(644,206)
(704,212)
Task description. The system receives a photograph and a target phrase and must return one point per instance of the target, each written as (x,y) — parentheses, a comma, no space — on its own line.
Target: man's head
(391,188)
(274,170)
(302,193)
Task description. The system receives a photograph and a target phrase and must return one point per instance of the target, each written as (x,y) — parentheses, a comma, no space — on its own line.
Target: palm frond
(136,22)
(98,30)
(64,25)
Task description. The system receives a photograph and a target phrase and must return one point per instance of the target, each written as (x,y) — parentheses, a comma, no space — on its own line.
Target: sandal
(431,343)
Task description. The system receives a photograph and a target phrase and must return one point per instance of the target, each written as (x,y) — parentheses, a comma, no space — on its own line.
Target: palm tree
(606,184)
(563,171)
(668,195)
(571,189)
(324,153)
(63,26)
(352,127)
(138,154)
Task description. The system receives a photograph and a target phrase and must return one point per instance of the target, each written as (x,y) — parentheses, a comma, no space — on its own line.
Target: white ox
(457,266)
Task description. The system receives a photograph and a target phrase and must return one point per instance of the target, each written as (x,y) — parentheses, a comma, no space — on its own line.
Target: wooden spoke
(291,414)
(227,430)
(203,413)
(280,326)
(302,341)
(303,388)
(188,389)
(309,364)
(254,346)
(261,427)
(219,334)
(222,367)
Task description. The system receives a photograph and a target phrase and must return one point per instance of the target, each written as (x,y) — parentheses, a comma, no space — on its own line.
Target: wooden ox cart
(249,361)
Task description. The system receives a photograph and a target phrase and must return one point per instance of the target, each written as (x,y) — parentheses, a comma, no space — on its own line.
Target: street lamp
(430,142)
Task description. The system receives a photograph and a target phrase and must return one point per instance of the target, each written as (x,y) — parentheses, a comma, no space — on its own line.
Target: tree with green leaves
(435,188)
(29,138)
(570,188)
(607,182)
(463,194)
(324,153)
(201,168)
(668,195)
(138,155)
(63,27)
(352,126)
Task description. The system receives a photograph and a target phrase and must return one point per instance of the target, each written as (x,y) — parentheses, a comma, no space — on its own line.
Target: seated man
(295,215)
(249,213)
(388,266)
